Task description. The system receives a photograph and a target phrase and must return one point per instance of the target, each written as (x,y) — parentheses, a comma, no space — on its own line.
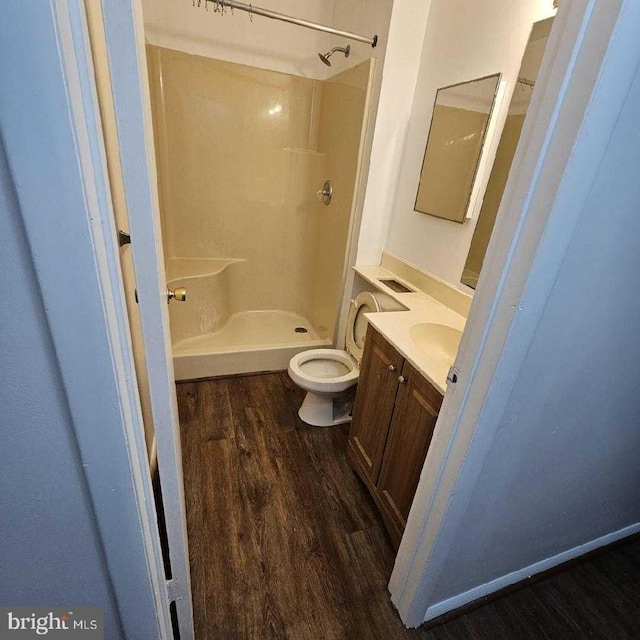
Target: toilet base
(326,410)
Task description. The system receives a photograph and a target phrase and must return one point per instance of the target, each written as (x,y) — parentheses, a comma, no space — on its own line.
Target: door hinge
(123,238)
(452,376)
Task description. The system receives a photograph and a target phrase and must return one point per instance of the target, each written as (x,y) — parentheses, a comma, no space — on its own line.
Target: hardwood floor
(285,542)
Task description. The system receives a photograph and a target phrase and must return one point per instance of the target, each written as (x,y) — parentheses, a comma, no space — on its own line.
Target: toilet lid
(365,302)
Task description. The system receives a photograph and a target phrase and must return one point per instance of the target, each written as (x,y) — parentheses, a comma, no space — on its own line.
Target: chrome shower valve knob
(326,193)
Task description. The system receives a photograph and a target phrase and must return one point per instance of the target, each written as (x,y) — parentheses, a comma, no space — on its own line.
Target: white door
(117,48)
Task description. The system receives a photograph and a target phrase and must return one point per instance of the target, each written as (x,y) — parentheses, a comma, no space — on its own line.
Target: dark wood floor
(285,542)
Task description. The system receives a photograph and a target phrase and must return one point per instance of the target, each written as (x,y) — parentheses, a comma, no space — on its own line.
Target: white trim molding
(462,599)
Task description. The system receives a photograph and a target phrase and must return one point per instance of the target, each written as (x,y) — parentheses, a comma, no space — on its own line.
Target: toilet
(329,375)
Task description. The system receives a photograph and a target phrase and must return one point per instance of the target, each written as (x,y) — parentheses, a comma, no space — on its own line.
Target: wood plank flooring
(285,542)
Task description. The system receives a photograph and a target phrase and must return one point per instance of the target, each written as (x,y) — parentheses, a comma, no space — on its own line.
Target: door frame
(591,58)
(125,44)
(54,147)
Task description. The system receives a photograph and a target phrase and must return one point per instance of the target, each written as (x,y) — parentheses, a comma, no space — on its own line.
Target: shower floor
(248,342)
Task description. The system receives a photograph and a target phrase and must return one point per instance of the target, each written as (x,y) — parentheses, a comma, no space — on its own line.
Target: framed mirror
(506,150)
(459,123)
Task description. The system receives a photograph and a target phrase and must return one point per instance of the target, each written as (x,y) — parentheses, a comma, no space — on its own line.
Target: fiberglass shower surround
(261,257)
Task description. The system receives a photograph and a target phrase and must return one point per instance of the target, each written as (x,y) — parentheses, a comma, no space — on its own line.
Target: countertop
(395,325)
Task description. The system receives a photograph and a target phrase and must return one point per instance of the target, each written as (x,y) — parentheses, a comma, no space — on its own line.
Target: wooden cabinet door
(414,419)
(377,388)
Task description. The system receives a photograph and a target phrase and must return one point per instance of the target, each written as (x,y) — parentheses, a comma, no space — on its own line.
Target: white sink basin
(439,341)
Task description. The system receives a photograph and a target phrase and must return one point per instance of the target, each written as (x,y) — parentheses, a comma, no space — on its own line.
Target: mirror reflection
(518,106)
(459,123)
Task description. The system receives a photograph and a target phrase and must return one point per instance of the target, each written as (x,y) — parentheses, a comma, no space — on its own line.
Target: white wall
(71,530)
(258,42)
(562,470)
(270,44)
(364,17)
(463,40)
(398,82)
(51,548)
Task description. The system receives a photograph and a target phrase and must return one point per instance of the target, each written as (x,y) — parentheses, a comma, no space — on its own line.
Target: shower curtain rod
(241,6)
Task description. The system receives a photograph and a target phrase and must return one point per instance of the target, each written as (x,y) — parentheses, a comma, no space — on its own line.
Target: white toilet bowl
(328,375)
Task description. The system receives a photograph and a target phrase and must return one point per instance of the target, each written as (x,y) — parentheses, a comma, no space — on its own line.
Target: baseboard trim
(478,596)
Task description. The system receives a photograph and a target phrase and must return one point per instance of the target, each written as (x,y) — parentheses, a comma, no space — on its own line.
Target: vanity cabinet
(394,416)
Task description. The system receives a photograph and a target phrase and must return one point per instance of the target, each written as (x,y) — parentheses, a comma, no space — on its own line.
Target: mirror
(459,123)
(518,106)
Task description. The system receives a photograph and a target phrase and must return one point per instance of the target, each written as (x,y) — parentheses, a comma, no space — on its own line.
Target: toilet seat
(364,302)
(321,370)
(334,370)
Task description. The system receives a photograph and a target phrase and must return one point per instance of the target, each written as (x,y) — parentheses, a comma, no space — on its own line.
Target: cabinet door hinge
(452,376)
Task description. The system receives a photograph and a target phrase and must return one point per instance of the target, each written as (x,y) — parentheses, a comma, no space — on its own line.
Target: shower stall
(242,156)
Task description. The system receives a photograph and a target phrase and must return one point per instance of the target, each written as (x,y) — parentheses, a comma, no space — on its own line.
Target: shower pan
(219,334)
(241,153)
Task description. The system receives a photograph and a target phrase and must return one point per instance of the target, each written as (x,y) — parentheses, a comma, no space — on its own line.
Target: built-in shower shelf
(183,268)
